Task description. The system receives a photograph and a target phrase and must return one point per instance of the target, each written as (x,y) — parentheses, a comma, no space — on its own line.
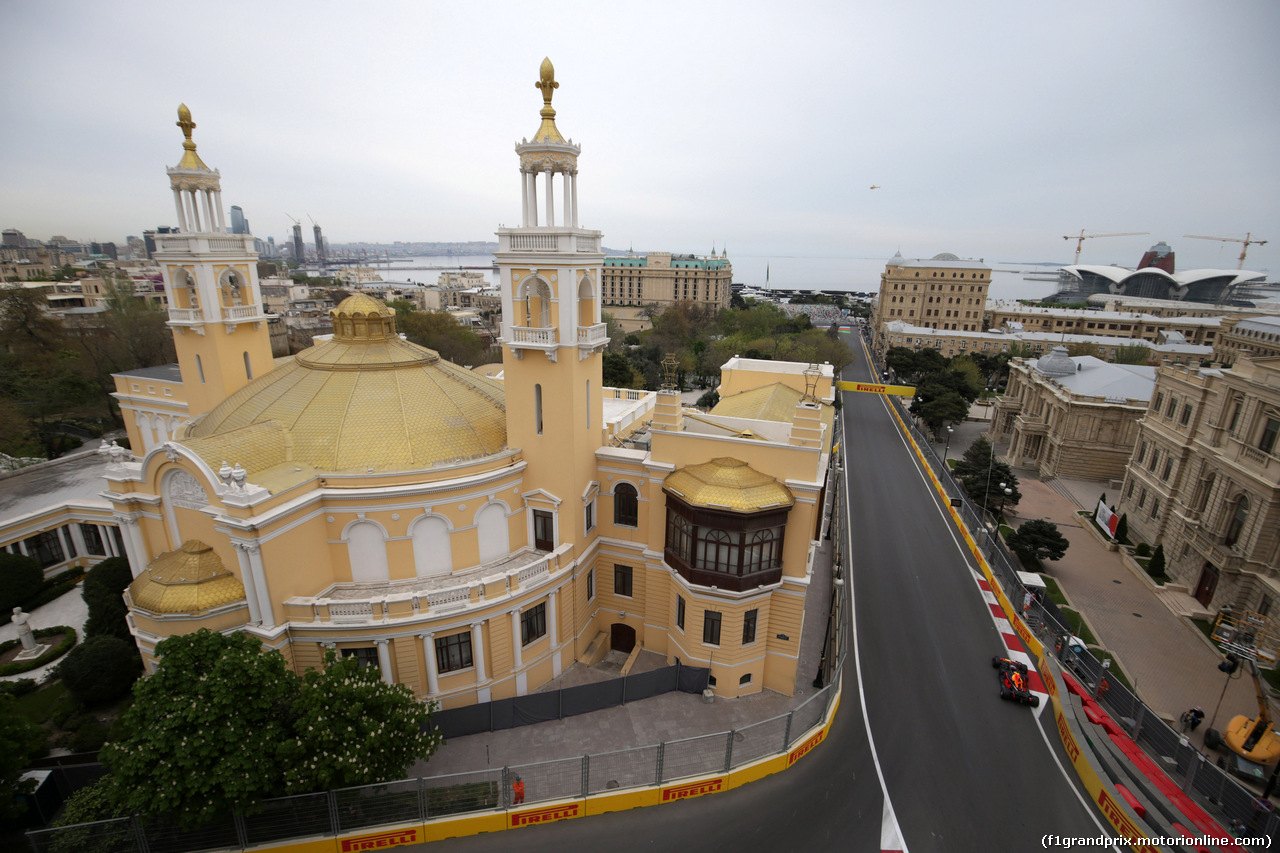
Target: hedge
(53,654)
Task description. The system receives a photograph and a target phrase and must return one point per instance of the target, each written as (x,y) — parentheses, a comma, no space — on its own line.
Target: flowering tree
(352,728)
(222,724)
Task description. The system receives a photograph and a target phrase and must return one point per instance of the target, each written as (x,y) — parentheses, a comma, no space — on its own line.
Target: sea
(1008,280)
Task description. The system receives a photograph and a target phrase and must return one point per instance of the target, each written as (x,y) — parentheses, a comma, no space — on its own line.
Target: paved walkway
(68,609)
(1168,660)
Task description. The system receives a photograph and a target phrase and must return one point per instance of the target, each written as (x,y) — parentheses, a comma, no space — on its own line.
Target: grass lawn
(1078,627)
(1054,591)
(36,707)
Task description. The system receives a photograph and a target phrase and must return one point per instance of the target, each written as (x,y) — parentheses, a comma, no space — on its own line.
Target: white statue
(25,634)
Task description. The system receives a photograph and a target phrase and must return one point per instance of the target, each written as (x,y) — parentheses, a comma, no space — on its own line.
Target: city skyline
(988,134)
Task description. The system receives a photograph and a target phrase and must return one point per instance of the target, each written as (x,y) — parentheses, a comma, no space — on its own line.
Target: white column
(551,619)
(477,652)
(515,637)
(217,206)
(384,660)
(575,199)
(134,551)
(206,198)
(77,537)
(566,211)
(108,541)
(250,588)
(22,546)
(551,201)
(177,203)
(193,215)
(533,200)
(429,652)
(260,584)
(524,198)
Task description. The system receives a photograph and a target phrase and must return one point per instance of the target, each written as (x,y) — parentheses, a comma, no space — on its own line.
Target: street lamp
(948,446)
(1008,493)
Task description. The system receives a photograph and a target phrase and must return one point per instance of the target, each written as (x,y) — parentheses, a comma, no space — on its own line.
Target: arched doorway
(622,637)
(1207,585)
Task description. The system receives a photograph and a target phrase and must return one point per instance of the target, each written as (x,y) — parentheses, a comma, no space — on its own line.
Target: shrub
(1156,566)
(101,670)
(18,689)
(89,738)
(1122,529)
(68,641)
(104,587)
(1143,550)
(20,579)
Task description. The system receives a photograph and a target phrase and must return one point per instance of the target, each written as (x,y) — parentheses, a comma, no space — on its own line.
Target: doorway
(622,637)
(544,534)
(1208,583)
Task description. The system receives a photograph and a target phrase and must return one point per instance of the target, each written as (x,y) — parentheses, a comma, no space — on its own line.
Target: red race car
(1013,681)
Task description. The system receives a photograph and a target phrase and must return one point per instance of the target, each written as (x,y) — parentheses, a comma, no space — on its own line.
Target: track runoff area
(1024,647)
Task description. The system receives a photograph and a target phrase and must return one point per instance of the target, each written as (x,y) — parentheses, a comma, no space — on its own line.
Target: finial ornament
(547,83)
(187,125)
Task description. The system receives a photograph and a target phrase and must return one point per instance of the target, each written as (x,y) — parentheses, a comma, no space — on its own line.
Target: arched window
(722,549)
(367,549)
(494,534)
(537,408)
(200,369)
(536,295)
(1239,514)
(248,370)
(432,554)
(626,507)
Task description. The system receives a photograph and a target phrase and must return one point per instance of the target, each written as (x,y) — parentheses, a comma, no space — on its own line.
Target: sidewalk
(648,722)
(68,609)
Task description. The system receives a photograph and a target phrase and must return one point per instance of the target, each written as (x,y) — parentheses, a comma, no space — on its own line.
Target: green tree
(101,670)
(616,370)
(352,728)
(984,487)
(1122,528)
(103,593)
(940,409)
(20,579)
(1038,539)
(202,735)
(22,741)
(1133,354)
(976,459)
(1157,563)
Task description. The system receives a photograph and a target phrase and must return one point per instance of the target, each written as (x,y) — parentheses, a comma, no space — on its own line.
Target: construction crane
(1081,237)
(1248,241)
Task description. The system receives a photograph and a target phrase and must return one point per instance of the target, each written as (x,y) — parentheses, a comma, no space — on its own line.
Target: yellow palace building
(470,538)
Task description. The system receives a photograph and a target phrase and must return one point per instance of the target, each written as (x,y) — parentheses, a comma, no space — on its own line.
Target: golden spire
(190,159)
(547,83)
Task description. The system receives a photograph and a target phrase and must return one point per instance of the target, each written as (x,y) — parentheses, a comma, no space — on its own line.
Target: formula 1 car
(1013,681)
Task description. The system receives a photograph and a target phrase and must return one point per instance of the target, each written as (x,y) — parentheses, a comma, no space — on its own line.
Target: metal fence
(1208,784)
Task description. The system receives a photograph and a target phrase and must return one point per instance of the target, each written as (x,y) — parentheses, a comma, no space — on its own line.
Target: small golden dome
(189,580)
(361,317)
(728,483)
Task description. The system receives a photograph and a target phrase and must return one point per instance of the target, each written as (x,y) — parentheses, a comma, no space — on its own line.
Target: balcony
(548,240)
(1030,425)
(1211,548)
(591,338)
(425,598)
(205,243)
(1258,462)
(543,338)
(242,313)
(185,316)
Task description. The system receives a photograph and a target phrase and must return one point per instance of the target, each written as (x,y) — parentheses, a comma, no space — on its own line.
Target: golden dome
(365,400)
(727,483)
(189,580)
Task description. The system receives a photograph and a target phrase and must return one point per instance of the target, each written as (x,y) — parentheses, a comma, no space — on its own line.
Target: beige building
(1257,336)
(661,278)
(468,538)
(1204,481)
(1072,417)
(1198,331)
(942,292)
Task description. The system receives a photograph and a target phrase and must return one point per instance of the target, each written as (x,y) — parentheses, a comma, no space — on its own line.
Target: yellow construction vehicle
(1254,744)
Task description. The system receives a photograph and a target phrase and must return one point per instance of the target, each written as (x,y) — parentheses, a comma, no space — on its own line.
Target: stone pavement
(68,609)
(1168,660)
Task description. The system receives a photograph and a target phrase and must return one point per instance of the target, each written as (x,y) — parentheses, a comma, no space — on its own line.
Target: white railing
(356,611)
(533,243)
(242,312)
(587,244)
(449,597)
(596,334)
(234,244)
(185,315)
(542,336)
(172,244)
(524,576)
(627,393)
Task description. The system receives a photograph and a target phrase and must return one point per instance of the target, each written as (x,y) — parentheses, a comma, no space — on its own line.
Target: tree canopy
(1038,539)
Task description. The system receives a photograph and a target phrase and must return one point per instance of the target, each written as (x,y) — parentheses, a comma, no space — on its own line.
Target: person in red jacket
(517,790)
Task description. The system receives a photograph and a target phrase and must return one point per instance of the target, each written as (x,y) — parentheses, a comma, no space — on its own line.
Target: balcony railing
(242,312)
(558,240)
(536,335)
(533,242)
(205,243)
(185,315)
(592,335)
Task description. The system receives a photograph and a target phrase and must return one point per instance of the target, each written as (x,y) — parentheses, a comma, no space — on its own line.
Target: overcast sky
(991,128)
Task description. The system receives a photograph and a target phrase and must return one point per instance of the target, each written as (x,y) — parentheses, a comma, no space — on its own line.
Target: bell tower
(211,277)
(552,336)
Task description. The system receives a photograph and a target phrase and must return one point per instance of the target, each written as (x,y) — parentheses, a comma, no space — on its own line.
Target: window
(746,679)
(626,508)
(1173,407)
(1155,409)
(1168,467)
(1269,432)
(590,517)
(199,368)
(1142,499)
(1142,452)
(543,530)
(46,548)
(537,408)
(711,627)
(749,626)
(366,657)
(591,584)
(248,370)
(1238,517)
(533,624)
(1235,415)
(680,612)
(1186,415)
(1155,507)
(622,580)
(453,652)
(93,540)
